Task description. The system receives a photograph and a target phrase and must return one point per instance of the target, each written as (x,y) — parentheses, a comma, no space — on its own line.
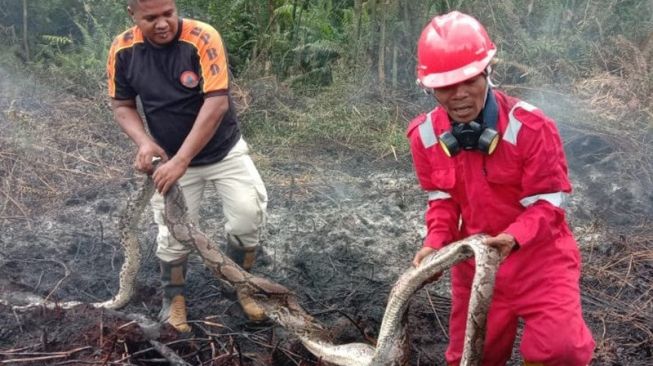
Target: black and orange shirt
(172,82)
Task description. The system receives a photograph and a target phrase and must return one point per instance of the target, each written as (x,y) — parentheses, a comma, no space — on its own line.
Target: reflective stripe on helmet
(514,125)
(557,199)
(438,195)
(426,132)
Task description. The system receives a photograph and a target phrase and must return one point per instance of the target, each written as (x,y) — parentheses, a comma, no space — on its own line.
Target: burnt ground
(343,225)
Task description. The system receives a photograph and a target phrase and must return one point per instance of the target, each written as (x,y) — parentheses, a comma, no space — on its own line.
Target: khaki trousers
(243,195)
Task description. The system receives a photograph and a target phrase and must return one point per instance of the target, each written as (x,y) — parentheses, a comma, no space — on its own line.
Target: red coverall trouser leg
(544,293)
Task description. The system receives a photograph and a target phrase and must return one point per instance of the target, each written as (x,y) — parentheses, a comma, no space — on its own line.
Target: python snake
(281,305)
(390,348)
(128,226)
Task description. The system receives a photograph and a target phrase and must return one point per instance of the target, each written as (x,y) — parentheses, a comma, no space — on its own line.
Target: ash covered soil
(342,227)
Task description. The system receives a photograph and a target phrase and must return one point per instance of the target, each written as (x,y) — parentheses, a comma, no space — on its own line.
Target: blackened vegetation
(338,237)
(342,227)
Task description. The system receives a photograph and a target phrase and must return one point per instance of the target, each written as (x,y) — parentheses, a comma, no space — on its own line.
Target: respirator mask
(480,134)
(469,136)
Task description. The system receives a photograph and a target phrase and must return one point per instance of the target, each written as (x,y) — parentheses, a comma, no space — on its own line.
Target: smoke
(610,174)
(21,96)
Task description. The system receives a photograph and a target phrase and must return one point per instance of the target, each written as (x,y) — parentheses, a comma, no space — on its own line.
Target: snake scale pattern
(281,305)
(128,225)
(391,344)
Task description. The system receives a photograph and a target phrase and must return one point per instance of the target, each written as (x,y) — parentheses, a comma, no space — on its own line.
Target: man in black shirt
(179,70)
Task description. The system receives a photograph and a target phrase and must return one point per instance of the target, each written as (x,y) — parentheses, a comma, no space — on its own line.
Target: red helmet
(452,48)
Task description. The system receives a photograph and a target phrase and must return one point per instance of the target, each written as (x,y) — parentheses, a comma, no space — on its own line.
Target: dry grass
(618,272)
(53,146)
(623,93)
(617,293)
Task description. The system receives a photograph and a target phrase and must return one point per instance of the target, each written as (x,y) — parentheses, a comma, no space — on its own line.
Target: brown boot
(173,309)
(241,255)
(245,258)
(254,312)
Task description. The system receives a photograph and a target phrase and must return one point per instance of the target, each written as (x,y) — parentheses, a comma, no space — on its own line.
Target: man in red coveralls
(494,164)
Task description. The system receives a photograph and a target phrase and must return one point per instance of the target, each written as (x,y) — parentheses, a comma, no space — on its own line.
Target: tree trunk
(395,51)
(295,26)
(381,49)
(358,15)
(372,32)
(25,41)
(409,18)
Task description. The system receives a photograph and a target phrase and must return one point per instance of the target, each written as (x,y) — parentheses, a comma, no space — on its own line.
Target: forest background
(327,78)
(311,72)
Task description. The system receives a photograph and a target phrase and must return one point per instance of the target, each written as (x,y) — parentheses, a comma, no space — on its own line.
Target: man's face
(157,19)
(463,101)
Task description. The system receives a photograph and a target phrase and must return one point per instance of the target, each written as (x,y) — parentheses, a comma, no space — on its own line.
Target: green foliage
(68,40)
(323,48)
(282,37)
(56,41)
(235,21)
(79,64)
(348,114)
(561,40)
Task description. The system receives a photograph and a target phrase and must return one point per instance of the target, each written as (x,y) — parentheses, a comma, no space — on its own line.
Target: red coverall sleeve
(441,214)
(544,175)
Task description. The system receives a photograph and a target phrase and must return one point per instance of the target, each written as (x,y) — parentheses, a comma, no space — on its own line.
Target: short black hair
(133,3)
(134,6)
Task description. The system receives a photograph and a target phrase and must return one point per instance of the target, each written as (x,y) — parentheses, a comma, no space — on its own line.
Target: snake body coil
(128,225)
(281,305)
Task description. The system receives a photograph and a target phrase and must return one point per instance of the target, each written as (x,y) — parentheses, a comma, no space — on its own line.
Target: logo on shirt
(189,79)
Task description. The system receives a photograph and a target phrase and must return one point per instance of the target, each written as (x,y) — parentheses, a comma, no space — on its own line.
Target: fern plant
(78,63)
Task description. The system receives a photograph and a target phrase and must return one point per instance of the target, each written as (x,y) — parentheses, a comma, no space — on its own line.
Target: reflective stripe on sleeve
(426,132)
(438,195)
(557,199)
(514,125)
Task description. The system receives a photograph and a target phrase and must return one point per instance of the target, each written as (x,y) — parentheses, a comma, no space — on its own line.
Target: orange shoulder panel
(212,54)
(126,39)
